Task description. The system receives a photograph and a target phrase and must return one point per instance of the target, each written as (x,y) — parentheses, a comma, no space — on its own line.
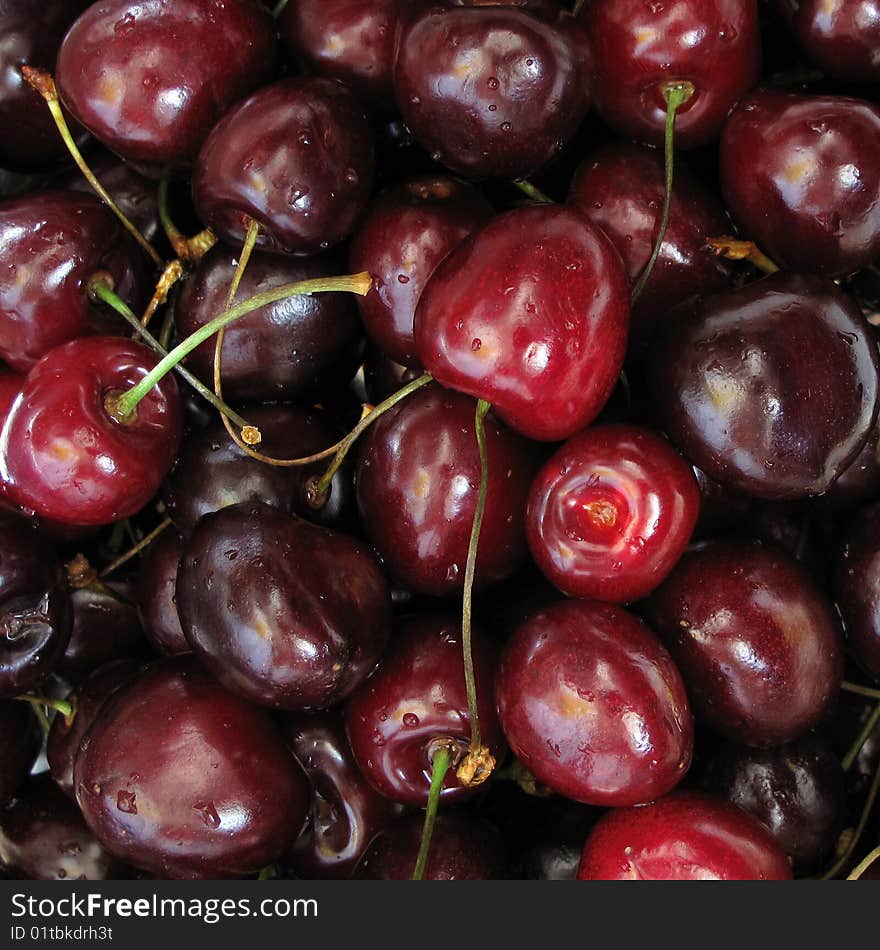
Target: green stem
(532,191)
(145,542)
(864,864)
(860,690)
(267,873)
(854,750)
(59,705)
(840,863)
(675,94)
(576,9)
(278,9)
(439,768)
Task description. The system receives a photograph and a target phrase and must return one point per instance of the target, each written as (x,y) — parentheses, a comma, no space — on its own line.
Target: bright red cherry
(857,587)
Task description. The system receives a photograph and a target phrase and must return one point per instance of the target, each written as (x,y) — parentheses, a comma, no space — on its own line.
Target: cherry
(593,706)
(382,376)
(19,746)
(418,477)
(843,38)
(720,509)
(405,234)
(35,609)
(415,704)
(772,388)
(490,90)
(155,594)
(150,80)
(229,807)
(529,314)
(686,836)
(296,616)
(640,49)
(464,849)
(62,452)
(346,813)
(11,384)
(860,480)
(801,175)
(611,512)
(621,189)
(296,348)
(51,245)
(857,587)
(297,158)
(758,645)
(797,791)
(44,838)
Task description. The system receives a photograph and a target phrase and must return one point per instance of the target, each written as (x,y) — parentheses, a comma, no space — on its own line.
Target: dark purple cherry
(801,175)
(797,791)
(281,611)
(382,376)
(295,349)
(35,609)
(51,245)
(346,813)
(297,158)
(61,452)
(463,848)
(686,836)
(149,80)
(20,742)
(531,314)
(639,48)
(593,706)
(757,643)
(415,703)
(155,593)
(857,587)
(771,389)
(229,806)
(405,234)
(418,477)
(44,838)
(490,91)
(842,37)
(860,481)
(611,512)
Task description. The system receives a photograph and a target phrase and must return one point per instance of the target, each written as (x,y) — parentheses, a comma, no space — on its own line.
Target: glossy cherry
(296,615)
(61,452)
(405,234)
(757,643)
(155,594)
(857,587)
(297,158)
(229,807)
(843,38)
(640,47)
(860,480)
(149,80)
(20,742)
(686,836)
(530,313)
(611,512)
(10,386)
(771,389)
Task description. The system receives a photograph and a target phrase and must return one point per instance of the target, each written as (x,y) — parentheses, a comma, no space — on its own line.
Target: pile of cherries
(440,439)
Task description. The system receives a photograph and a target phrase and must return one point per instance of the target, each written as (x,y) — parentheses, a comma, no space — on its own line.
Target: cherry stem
(864,864)
(99,290)
(840,863)
(532,191)
(126,404)
(59,705)
(676,94)
(170,276)
(854,750)
(439,768)
(44,84)
(860,690)
(269,871)
(735,250)
(145,542)
(578,6)
(187,249)
(278,9)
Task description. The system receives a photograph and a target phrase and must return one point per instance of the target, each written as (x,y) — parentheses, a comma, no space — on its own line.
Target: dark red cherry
(463,848)
(797,791)
(801,175)
(155,594)
(44,838)
(149,80)
(228,807)
(405,234)
(857,587)
(771,389)
(62,454)
(841,37)
(382,376)
(720,508)
(639,47)
(297,158)
(490,90)
(621,188)
(297,348)
(11,384)
(346,813)
(418,477)
(416,703)
(20,742)
(758,645)
(593,706)
(281,611)
(87,700)
(35,608)
(530,314)
(611,512)
(686,836)
(51,244)
(860,481)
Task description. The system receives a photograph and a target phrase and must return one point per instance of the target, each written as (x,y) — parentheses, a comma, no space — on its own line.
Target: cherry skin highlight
(842,38)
